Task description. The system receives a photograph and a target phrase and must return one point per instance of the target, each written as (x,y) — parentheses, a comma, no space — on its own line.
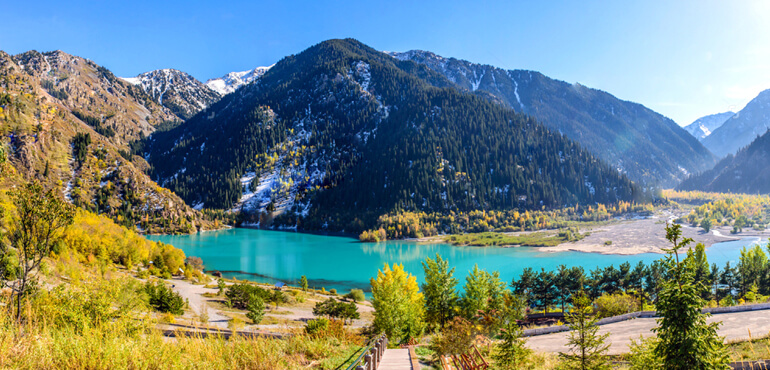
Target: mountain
(68,122)
(742,128)
(233,80)
(643,144)
(744,172)
(704,126)
(340,134)
(181,93)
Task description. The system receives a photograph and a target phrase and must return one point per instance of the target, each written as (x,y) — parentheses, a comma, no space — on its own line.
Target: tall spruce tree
(588,346)
(686,340)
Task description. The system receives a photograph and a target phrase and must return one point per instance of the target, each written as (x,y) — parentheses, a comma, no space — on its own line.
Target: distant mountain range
(645,145)
(742,128)
(339,134)
(335,136)
(703,126)
(745,172)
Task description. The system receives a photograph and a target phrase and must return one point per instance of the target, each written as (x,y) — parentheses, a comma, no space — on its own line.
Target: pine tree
(686,340)
(588,346)
(511,352)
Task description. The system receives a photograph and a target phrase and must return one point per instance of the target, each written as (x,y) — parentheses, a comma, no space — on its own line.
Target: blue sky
(684,59)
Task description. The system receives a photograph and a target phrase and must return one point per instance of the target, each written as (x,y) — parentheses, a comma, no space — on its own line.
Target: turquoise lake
(345,263)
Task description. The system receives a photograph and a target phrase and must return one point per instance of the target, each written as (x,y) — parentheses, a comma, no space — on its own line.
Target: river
(344,263)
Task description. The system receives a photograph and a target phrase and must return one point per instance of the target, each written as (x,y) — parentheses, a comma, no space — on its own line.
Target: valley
(292,211)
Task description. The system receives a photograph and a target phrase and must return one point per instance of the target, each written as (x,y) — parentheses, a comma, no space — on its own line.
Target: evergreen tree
(510,351)
(686,340)
(588,346)
(303,282)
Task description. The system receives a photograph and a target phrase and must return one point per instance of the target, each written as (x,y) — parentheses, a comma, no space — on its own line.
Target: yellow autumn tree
(398,303)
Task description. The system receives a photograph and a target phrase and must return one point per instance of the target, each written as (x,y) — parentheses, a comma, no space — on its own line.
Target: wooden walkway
(396,359)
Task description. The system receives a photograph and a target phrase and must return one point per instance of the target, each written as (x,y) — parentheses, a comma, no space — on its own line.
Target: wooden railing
(371,356)
(471,360)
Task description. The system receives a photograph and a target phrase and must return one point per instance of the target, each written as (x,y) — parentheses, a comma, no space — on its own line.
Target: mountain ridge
(340,133)
(649,147)
(742,128)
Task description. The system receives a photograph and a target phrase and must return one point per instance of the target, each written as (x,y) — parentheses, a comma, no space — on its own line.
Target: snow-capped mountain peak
(233,80)
(176,90)
(704,126)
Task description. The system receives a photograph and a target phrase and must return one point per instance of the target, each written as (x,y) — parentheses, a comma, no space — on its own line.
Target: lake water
(344,263)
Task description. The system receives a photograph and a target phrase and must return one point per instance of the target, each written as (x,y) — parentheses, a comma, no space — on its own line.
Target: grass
(486,239)
(754,349)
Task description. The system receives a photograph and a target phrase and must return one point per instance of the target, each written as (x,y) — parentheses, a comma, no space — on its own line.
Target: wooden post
(368,361)
(375,358)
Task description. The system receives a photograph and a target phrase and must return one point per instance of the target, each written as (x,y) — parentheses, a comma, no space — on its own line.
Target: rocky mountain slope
(234,80)
(745,172)
(68,122)
(645,145)
(181,93)
(705,125)
(339,134)
(742,128)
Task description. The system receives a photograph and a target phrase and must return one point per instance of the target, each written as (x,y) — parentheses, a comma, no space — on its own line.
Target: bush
(317,326)
(164,299)
(615,304)
(240,295)
(455,338)
(356,295)
(333,291)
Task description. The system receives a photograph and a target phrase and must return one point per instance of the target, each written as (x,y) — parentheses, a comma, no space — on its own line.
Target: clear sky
(684,59)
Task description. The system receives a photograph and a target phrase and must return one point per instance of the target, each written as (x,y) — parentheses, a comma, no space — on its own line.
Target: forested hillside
(68,122)
(744,172)
(648,147)
(339,134)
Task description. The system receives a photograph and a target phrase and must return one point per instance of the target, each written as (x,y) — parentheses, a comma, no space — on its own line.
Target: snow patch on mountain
(233,80)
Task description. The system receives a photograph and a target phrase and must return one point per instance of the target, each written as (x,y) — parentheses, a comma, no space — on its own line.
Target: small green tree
(439,290)
(706,224)
(303,283)
(221,285)
(685,339)
(256,309)
(511,352)
(588,346)
(164,299)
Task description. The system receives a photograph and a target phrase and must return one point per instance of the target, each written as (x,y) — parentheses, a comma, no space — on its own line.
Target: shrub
(240,295)
(455,338)
(615,304)
(333,291)
(164,299)
(356,295)
(317,326)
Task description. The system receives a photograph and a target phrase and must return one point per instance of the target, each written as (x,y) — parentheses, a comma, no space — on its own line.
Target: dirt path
(194,294)
(735,326)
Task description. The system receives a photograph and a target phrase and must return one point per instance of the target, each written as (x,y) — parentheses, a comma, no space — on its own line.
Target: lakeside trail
(285,317)
(735,326)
